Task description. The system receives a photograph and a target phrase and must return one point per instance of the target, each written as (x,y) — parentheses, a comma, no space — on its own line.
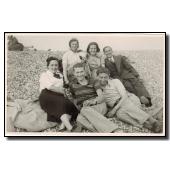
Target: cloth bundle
(27,115)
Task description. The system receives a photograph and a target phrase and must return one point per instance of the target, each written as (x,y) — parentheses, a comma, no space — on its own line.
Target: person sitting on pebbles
(120,68)
(92,108)
(94,58)
(125,106)
(70,58)
(52,100)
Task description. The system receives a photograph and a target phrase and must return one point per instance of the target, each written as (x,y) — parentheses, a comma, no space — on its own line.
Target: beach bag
(29,116)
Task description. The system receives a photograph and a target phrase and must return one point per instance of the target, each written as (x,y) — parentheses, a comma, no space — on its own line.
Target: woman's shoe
(77,128)
(61,128)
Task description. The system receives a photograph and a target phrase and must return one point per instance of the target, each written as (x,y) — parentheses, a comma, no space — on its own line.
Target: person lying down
(126,106)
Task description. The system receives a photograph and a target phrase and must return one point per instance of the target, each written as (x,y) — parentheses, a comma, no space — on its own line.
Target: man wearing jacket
(120,68)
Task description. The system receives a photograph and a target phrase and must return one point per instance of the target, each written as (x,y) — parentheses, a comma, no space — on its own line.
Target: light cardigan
(112,91)
(47,79)
(96,61)
(70,59)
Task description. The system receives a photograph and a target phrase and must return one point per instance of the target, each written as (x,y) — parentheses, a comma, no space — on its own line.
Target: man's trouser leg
(97,120)
(83,121)
(123,116)
(130,113)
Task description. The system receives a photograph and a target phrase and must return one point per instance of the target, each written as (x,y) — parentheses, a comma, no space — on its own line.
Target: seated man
(120,68)
(126,108)
(92,108)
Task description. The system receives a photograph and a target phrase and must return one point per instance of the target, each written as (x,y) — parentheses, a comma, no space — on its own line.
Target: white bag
(28,115)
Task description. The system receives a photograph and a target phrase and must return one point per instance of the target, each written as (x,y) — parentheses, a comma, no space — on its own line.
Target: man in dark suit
(120,68)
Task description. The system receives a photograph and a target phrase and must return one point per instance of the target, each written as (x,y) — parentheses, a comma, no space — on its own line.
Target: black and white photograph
(85,84)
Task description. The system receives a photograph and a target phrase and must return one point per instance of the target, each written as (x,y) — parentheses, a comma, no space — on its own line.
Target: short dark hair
(72,40)
(102,70)
(93,43)
(106,47)
(51,58)
(79,65)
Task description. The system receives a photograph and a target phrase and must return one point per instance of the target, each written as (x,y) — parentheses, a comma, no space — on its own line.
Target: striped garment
(111,92)
(83,92)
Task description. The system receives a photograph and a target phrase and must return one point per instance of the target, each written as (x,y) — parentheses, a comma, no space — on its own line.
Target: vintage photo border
(99,135)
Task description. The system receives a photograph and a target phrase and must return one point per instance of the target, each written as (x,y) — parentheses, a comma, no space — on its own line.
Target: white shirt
(47,79)
(112,91)
(70,59)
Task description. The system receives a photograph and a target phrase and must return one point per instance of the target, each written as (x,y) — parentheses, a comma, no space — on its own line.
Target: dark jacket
(127,75)
(124,69)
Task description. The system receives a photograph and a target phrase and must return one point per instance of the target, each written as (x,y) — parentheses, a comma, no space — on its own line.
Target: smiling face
(74,46)
(93,50)
(53,66)
(79,73)
(103,78)
(108,52)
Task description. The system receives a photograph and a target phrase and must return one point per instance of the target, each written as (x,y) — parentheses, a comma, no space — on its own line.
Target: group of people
(102,86)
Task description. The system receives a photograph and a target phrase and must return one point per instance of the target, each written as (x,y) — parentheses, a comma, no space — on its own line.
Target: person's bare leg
(69,117)
(65,120)
(62,126)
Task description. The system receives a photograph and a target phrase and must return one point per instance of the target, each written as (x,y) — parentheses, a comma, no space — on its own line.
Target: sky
(54,41)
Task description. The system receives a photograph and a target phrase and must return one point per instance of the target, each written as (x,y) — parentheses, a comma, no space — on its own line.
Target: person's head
(93,48)
(74,44)
(79,71)
(103,75)
(52,64)
(108,51)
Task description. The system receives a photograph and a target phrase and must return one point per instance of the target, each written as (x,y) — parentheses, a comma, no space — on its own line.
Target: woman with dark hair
(95,60)
(70,58)
(52,100)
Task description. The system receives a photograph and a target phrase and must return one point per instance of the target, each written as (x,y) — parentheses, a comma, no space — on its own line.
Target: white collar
(74,52)
(50,73)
